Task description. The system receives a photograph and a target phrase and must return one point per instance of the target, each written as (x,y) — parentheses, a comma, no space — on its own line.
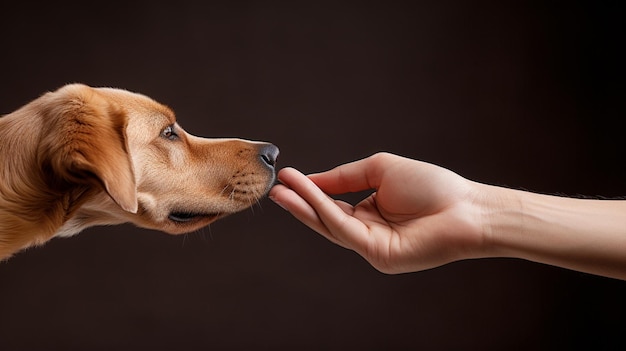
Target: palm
(401,225)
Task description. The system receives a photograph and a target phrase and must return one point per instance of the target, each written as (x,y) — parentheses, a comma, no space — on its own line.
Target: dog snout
(269,154)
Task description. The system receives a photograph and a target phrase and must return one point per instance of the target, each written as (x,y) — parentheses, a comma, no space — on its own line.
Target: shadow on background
(526,95)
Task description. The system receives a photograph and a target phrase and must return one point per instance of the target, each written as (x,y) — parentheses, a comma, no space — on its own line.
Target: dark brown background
(522,94)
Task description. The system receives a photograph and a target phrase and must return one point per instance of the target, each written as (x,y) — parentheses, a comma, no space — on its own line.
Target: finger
(298,207)
(343,227)
(301,210)
(346,207)
(282,195)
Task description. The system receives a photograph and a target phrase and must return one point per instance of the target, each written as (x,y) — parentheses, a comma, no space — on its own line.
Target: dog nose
(269,154)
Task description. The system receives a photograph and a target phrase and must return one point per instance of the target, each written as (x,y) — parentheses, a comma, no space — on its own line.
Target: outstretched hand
(419,216)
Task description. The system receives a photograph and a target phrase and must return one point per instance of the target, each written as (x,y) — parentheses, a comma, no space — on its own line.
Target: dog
(83,156)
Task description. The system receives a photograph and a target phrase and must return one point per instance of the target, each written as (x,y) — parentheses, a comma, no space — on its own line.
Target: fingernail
(278,203)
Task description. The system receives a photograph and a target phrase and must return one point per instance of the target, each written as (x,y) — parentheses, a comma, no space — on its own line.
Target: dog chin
(181,223)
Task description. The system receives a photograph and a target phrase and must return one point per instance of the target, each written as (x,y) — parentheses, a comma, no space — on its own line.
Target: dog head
(152,172)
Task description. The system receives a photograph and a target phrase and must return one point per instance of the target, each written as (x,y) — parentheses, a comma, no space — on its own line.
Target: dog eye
(169,133)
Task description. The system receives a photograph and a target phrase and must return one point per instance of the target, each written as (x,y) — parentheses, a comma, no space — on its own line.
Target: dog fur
(82,156)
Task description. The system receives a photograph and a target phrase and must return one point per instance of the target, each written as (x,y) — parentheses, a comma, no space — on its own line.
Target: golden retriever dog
(82,156)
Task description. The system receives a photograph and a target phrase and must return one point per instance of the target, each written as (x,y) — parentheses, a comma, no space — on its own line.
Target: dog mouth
(184,217)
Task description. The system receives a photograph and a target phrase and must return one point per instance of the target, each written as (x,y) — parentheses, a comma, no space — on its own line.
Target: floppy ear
(85,140)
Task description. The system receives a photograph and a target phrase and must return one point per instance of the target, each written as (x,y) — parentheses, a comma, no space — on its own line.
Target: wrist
(502,217)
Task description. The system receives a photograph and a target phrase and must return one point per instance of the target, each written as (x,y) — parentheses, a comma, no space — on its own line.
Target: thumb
(355,176)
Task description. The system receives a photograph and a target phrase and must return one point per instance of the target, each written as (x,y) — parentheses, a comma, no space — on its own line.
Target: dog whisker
(224,189)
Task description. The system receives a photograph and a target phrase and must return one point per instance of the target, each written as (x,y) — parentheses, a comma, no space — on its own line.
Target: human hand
(419,217)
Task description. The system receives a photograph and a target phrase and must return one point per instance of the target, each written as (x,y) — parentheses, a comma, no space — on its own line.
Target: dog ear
(85,140)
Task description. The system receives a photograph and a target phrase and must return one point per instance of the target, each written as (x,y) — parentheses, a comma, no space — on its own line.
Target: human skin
(421,216)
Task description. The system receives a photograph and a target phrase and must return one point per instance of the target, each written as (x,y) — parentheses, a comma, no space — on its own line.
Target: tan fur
(83,156)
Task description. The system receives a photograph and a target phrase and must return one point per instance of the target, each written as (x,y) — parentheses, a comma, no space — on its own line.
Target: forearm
(579,234)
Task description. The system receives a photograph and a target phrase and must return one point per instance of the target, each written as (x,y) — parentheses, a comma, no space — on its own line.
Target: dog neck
(26,222)
(33,205)
(99,210)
